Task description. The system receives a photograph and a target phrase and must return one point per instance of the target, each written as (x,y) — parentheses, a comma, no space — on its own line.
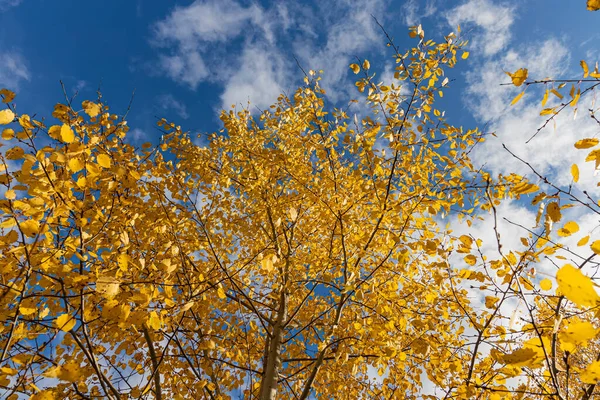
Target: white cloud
(196,32)
(551,152)
(351,32)
(487,98)
(137,135)
(188,68)
(13,70)
(413,11)
(8,4)
(168,102)
(493,19)
(206,21)
(259,79)
(242,47)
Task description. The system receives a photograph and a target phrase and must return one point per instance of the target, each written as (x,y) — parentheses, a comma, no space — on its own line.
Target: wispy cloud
(350,32)
(8,4)
(168,102)
(13,69)
(194,37)
(492,19)
(414,10)
(258,80)
(242,47)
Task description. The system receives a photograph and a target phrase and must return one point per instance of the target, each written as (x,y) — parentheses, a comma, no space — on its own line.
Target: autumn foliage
(294,254)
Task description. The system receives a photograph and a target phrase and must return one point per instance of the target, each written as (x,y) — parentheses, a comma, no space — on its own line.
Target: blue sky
(187,59)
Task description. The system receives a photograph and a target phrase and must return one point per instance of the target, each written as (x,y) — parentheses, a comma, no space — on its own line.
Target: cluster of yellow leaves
(291,232)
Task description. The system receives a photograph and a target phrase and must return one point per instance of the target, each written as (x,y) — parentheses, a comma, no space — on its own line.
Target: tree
(556,352)
(291,257)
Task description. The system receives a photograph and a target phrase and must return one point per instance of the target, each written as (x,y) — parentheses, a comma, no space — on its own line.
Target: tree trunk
(272,362)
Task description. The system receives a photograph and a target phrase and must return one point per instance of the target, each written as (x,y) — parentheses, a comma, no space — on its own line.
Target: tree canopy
(299,253)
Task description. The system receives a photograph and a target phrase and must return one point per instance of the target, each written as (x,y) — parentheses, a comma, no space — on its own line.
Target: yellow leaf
(568,229)
(66,134)
(553,211)
(595,246)
(519,76)
(578,333)
(471,259)
(366,64)
(81,182)
(465,55)
(556,93)
(545,98)
(65,322)
(221,293)
(466,240)
(546,284)
(490,301)
(585,68)
(7,95)
(27,310)
(576,287)
(90,108)
(8,371)
(8,134)
(70,371)
(521,357)
(591,374)
(10,194)
(154,321)
(355,68)
(75,164)
(52,372)
(586,143)
(123,261)
(267,263)
(593,5)
(30,227)
(548,111)
(583,241)
(517,98)
(575,172)
(103,160)
(47,394)
(107,286)
(6,117)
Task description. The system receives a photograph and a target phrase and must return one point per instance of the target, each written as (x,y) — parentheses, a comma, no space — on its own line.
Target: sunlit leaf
(586,143)
(517,98)
(65,322)
(591,374)
(103,160)
(593,5)
(7,95)
(90,108)
(66,134)
(546,284)
(584,66)
(575,173)
(576,287)
(6,117)
(568,229)
(519,76)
